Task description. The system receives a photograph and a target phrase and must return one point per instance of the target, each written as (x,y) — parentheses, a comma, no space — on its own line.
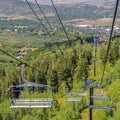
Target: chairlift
(91,84)
(75,96)
(102,97)
(99,97)
(100,107)
(31,95)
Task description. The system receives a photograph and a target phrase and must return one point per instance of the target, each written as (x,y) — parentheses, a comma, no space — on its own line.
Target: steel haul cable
(43,14)
(19,60)
(43,25)
(110,39)
(61,22)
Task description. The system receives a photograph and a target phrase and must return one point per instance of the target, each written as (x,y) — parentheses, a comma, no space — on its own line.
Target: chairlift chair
(102,97)
(100,107)
(91,84)
(99,96)
(29,100)
(75,96)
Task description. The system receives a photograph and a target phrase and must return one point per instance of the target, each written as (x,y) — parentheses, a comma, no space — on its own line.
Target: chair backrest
(74,97)
(27,98)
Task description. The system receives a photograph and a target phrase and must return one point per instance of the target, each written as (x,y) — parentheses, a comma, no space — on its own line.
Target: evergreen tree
(113,53)
(52,79)
(87,53)
(1,117)
(103,54)
(82,69)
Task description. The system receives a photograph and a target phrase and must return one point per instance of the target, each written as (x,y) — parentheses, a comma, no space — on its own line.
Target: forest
(64,68)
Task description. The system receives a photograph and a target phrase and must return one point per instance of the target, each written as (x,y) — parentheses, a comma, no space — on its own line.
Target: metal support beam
(95,47)
(91,102)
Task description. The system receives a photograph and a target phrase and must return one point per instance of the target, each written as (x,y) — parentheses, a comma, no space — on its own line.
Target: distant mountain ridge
(71,1)
(85,9)
(14,8)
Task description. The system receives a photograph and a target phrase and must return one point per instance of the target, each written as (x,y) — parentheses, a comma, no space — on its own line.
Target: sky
(69,1)
(58,1)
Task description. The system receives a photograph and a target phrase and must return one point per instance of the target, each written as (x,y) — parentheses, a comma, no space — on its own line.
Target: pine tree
(103,54)
(52,79)
(87,53)
(82,69)
(113,53)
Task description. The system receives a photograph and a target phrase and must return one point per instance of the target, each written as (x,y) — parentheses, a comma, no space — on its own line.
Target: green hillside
(53,83)
(64,71)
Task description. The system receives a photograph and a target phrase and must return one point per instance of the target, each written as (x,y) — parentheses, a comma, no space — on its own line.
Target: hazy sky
(70,1)
(58,0)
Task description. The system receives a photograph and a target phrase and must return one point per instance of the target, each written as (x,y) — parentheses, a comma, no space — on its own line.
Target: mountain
(12,8)
(72,1)
(18,8)
(84,9)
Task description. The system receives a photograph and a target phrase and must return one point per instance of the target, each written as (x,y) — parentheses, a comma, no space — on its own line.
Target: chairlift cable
(60,21)
(18,60)
(46,19)
(110,39)
(42,24)
(43,13)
